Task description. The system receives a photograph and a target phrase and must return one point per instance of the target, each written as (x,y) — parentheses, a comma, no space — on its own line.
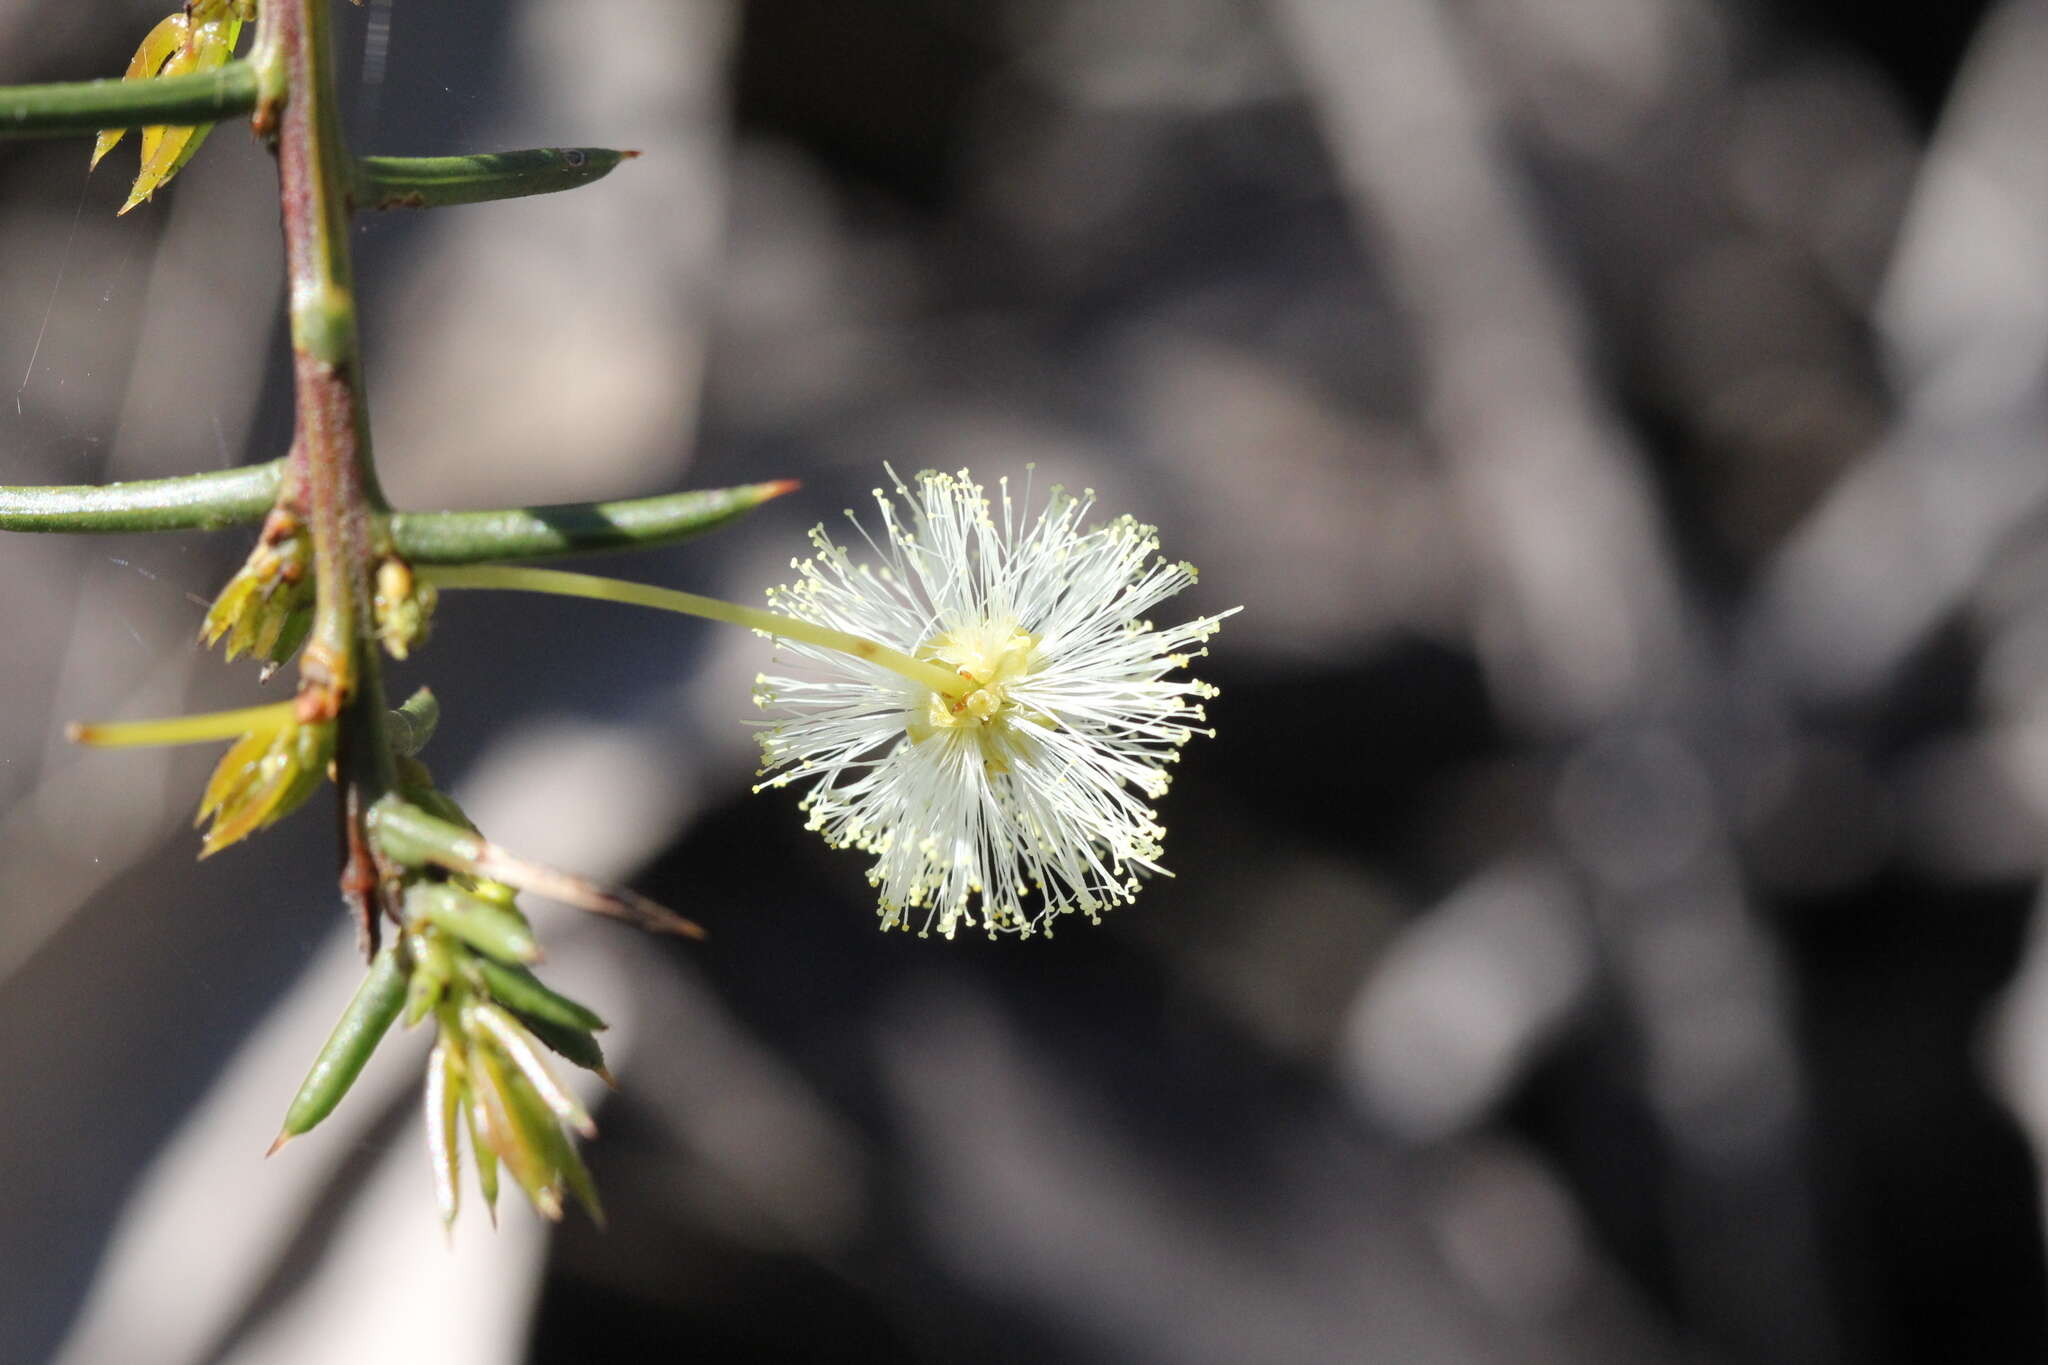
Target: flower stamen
(1028,780)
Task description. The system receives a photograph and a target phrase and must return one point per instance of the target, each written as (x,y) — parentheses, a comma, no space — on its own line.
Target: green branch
(83,108)
(573,527)
(426,182)
(241,497)
(191,502)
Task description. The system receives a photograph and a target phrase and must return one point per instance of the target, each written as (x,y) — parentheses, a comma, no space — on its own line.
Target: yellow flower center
(992,658)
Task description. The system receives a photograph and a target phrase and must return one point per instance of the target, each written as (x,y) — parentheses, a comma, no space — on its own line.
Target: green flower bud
(265,776)
(267,607)
(443,1104)
(403,607)
(495,930)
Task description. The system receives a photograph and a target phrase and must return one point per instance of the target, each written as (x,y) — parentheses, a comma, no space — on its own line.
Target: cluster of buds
(463,959)
(470,953)
(199,37)
(487,1077)
(267,607)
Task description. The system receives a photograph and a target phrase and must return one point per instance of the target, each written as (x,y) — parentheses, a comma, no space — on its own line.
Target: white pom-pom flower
(999,752)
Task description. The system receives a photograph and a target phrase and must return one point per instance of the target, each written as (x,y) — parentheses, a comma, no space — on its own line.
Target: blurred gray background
(1603,923)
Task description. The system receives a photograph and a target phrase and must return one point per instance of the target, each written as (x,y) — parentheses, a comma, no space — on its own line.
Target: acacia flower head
(1007,776)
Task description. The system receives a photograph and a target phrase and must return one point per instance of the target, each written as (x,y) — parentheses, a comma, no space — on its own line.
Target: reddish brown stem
(330,474)
(340,488)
